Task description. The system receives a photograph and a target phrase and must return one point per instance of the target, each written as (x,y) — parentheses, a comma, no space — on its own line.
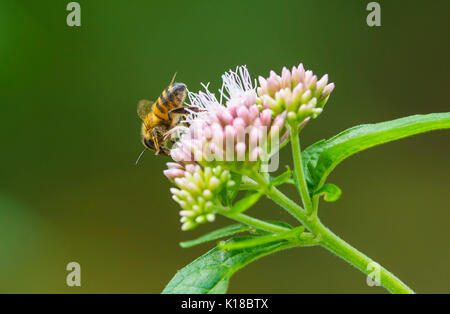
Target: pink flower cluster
(239,133)
(298,92)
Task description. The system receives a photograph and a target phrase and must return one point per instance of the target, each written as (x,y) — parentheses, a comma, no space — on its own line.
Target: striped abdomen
(172,97)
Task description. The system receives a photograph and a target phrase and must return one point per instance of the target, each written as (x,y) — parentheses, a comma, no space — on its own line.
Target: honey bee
(161,116)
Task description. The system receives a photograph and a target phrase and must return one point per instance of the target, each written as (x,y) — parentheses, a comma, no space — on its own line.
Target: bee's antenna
(173,78)
(140,155)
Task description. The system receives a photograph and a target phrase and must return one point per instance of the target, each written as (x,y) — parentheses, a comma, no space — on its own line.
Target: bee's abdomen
(172,97)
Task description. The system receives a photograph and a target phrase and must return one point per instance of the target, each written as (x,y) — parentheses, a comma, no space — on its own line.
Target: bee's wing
(144,107)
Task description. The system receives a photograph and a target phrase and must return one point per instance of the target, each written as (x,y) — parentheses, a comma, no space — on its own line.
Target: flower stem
(319,233)
(254,222)
(298,168)
(273,193)
(292,235)
(336,245)
(339,247)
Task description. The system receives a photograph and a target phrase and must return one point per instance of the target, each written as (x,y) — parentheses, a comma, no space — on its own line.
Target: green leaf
(229,231)
(285,177)
(261,240)
(246,202)
(211,272)
(275,222)
(330,192)
(322,157)
(216,234)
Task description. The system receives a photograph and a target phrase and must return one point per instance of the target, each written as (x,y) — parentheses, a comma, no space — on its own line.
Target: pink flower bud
(266,117)
(253,113)
(285,78)
(322,83)
(239,123)
(328,89)
(225,116)
(174,165)
(262,84)
(254,137)
(243,113)
(171,174)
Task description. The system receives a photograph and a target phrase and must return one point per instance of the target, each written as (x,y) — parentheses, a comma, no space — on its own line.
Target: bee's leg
(180,110)
(184,110)
(165,151)
(155,140)
(196,109)
(161,149)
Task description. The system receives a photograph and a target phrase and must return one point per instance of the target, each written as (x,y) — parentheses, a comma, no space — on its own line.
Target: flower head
(238,133)
(298,92)
(197,191)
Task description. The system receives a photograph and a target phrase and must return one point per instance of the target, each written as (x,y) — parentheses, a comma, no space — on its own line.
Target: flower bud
(293,91)
(196,192)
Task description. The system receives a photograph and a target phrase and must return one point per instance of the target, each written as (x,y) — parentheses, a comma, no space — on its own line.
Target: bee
(161,116)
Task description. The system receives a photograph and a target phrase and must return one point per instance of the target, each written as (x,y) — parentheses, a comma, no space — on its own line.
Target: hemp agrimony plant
(230,146)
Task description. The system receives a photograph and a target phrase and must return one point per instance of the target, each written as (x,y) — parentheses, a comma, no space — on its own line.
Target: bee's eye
(149,144)
(178,87)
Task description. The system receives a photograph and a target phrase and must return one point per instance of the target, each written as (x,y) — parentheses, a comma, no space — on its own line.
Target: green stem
(246,187)
(273,193)
(254,222)
(293,235)
(339,247)
(298,168)
(336,245)
(319,233)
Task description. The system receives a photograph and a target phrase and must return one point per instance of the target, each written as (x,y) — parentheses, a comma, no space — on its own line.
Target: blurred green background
(70,190)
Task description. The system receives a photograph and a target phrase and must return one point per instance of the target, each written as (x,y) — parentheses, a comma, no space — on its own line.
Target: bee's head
(179,91)
(148,143)
(178,87)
